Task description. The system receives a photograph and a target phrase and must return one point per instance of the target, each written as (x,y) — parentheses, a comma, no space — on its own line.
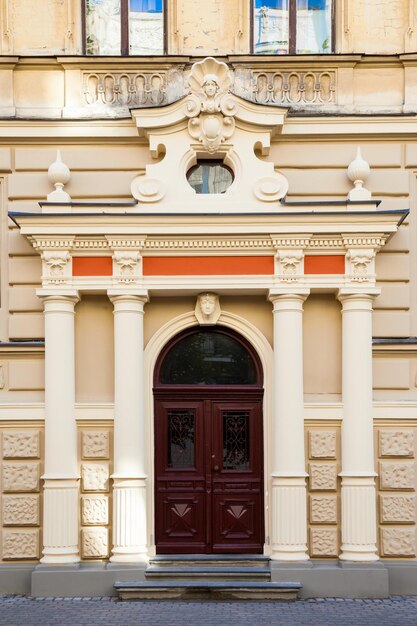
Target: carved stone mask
(207,304)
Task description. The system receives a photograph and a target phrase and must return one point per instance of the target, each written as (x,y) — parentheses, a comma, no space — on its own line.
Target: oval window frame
(202,162)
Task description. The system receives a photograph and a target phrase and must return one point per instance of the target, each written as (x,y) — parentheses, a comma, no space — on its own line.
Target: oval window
(210,177)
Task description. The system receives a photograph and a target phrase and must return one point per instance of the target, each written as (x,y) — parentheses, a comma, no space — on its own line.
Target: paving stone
(18,610)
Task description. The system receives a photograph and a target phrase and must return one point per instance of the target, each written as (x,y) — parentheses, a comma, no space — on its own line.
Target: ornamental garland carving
(294,87)
(22,443)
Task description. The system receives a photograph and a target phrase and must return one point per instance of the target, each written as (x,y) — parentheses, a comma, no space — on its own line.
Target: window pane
(235,440)
(180,439)
(210,177)
(103,32)
(208,358)
(146,27)
(314,26)
(271,26)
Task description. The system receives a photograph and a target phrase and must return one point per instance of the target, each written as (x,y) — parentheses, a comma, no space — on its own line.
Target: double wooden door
(209,474)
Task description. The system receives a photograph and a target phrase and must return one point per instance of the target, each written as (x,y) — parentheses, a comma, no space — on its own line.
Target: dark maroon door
(209,479)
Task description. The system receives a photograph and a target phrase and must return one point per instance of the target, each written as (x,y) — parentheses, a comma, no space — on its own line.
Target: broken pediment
(213,126)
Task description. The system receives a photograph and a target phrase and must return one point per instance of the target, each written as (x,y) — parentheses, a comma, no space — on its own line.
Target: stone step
(218,560)
(204,590)
(204,572)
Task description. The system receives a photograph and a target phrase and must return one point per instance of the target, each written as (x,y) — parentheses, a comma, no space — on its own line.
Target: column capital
(128,297)
(356,298)
(285,298)
(64,295)
(60,302)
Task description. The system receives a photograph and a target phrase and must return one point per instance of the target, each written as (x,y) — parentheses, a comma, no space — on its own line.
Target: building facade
(208,313)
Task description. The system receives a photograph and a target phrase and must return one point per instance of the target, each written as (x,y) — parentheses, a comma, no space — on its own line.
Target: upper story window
(122,27)
(293,26)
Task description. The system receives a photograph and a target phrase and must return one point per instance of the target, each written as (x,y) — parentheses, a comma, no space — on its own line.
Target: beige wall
(94,350)
(211,27)
(322,333)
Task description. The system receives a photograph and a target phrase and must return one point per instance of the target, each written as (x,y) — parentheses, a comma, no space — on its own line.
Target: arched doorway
(208,390)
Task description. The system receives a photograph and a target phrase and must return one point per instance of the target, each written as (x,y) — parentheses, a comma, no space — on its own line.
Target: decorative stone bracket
(126,266)
(56,267)
(360,257)
(289,265)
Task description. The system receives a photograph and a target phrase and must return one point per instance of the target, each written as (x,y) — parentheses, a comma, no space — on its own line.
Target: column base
(129,520)
(60,529)
(289,519)
(358,519)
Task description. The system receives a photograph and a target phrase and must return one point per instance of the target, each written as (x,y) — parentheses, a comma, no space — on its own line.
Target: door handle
(216,468)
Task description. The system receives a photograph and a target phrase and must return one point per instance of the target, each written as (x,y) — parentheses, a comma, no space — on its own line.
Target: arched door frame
(151,354)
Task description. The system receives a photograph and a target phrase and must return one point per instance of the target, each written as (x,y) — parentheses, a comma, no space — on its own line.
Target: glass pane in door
(236,440)
(181,425)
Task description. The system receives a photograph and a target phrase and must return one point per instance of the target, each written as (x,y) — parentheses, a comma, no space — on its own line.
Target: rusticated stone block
(95,476)
(399,475)
(323,476)
(20,476)
(398,508)
(398,541)
(95,444)
(21,510)
(323,509)
(322,444)
(324,542)
(21,443)
(95,543)
(396,442)
(95,509)
(20,544)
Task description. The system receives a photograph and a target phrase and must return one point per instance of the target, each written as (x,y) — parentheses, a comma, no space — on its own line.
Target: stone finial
(59,175)
(358,172)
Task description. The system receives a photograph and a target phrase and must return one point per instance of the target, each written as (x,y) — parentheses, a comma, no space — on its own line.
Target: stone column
(129,477)
(61,486)
(358,472)
(288,497)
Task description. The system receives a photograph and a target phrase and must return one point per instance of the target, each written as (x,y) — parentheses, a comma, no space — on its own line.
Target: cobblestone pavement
(19,611)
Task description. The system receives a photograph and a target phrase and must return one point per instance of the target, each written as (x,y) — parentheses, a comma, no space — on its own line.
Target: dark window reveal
(208,358)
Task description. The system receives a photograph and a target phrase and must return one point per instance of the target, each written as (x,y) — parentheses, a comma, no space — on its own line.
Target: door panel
(237,483)
(209,482)
(180,507)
